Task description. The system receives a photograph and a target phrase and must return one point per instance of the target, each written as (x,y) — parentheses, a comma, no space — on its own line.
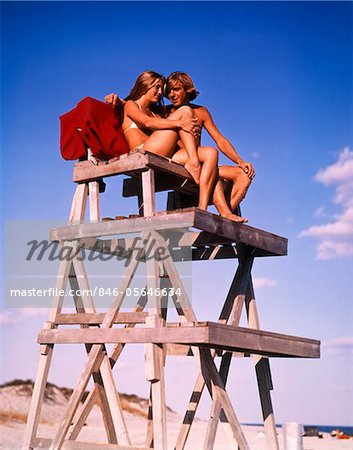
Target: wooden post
(263,375)
(94,210)
(148,193)
(46,353)
(154,357)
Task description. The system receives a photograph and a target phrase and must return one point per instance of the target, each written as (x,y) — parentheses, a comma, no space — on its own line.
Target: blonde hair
(185,80)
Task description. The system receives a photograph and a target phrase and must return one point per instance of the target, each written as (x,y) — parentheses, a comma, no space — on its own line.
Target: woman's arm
(224,145)
(158,123)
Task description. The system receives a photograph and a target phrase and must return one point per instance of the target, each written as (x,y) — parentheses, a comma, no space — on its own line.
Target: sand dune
(15,399)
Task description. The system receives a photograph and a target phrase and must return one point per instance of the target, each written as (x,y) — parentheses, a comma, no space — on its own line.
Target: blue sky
(277,78)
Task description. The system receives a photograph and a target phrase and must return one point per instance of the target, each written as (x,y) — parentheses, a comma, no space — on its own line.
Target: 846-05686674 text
(97,291)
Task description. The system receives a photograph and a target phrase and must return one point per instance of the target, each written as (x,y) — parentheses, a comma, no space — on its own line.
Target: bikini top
(133,124)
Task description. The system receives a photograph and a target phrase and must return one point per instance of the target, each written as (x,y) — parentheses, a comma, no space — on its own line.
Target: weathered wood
(241,233)
(44,443)
(193,217)
(231,311)
(208,334)
(263,375)
(95,357)
(209,371)
(104,380)
(78,207)
(148,193)
(77,281)
(90,399)
(45,358)
(154,357)
(205,244)
(133,186)
(87,171)
(97,318)
(116,227)
(230,314)
(94,209)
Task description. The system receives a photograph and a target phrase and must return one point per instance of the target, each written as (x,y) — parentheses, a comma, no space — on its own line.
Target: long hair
(143,83)
(185,80)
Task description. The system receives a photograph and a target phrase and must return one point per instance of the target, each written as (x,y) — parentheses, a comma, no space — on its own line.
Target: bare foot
(194,170)
(235,218)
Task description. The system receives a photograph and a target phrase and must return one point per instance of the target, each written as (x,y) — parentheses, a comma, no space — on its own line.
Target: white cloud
(339,172)
(336,237)
(264,283)
(339,346)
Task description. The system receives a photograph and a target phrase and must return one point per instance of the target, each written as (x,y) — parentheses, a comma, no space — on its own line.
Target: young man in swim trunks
(180,90)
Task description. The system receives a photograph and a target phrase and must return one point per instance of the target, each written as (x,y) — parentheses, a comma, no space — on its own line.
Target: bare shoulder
(196,107)
(129,104)
(203,112)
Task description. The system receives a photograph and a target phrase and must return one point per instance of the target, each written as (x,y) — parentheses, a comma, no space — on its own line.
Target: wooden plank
(132,186)
(163,164)
(213,335)
(201,240)
(87,171)
(116,227)
(193,217)
(239,232)
(44,443)
(97,318)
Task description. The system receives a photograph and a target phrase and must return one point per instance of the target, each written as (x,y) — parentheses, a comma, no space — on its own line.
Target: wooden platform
(133,163)
(204,334)
(262,242)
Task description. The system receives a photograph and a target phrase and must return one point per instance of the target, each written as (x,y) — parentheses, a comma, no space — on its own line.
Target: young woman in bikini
(180,90)
(145,127)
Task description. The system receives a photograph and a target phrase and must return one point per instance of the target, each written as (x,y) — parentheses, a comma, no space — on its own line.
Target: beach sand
(14,402)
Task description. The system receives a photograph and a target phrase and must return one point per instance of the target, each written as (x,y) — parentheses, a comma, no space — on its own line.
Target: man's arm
(114,100)
(224,145)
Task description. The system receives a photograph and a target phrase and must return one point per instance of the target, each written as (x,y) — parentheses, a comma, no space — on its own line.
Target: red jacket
(92,124)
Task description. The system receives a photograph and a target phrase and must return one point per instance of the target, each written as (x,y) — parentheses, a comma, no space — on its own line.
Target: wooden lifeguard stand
(210,237)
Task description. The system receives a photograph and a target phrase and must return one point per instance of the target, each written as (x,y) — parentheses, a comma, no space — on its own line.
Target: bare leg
(209,159)
(220,202)
(189,143)
(241,183)
(163,142)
